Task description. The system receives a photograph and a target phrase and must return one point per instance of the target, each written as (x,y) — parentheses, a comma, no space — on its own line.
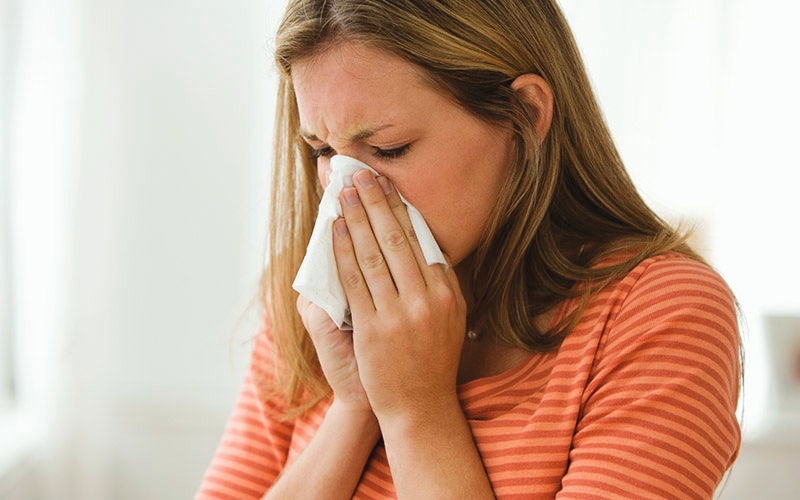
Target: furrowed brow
(355,137)
(309,136)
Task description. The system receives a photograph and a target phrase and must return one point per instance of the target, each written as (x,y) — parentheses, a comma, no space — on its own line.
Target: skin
(395,375)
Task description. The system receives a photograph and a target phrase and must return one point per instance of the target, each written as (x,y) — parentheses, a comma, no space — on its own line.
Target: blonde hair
(567,205)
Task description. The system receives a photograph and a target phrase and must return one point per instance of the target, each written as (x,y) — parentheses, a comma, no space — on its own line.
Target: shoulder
(670,285)
(660,397)
(672,307)
(674,285)
(674,274)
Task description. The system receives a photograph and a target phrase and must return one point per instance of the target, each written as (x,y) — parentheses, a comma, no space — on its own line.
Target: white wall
(159,235)
(169,212)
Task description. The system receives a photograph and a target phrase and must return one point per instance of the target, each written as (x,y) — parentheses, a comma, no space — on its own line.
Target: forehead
(352,85)
(357,60)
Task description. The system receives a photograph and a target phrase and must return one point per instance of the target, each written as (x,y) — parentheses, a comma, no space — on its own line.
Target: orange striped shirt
(638,402)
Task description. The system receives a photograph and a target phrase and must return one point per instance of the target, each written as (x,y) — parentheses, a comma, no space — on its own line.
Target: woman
(573,347)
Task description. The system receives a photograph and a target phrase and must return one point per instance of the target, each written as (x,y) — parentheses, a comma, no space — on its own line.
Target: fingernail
(350,196)
(386,184)
(366,179)
(341,227)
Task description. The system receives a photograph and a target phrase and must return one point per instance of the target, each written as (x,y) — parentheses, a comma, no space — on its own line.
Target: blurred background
(134,159)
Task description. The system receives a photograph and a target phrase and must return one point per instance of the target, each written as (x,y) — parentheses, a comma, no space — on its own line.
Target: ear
(536,92)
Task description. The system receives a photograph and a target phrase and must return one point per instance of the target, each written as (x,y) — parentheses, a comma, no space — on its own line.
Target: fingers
(359,295)
(364,254)
(401,215)
(315,320)
(375,245)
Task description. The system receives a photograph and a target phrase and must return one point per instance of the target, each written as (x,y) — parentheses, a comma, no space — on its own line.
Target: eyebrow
(355,137)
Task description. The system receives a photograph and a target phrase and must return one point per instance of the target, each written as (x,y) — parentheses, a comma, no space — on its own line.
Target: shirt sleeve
(659,411)
(255,444)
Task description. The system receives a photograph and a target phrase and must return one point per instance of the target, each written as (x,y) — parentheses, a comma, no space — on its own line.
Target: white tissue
(318,278)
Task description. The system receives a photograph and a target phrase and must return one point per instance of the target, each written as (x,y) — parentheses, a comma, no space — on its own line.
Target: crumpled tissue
(318,277)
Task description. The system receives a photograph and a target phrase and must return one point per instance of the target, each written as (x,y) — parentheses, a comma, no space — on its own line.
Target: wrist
(357,417)
(432,453)
(422,419)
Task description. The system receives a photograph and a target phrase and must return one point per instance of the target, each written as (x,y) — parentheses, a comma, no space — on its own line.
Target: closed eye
(391,154)
(325,152)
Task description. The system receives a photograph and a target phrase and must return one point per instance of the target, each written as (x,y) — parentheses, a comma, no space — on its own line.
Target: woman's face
(375,106)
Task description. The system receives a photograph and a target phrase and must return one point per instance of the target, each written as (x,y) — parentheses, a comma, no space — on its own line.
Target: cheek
(452,218)
(457,202)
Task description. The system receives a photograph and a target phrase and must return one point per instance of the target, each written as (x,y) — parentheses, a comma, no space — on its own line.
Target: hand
(335,352)
(409,318)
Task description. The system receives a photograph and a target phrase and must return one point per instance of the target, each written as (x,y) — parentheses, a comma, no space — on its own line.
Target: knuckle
(448,301)
(444,295)
(373,260)
(395,240)
(421,309)
(395,202)
(352,279)
(357,217)
(411,234)
(374,201)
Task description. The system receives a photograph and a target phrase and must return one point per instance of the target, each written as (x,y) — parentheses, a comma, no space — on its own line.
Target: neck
(464,274)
